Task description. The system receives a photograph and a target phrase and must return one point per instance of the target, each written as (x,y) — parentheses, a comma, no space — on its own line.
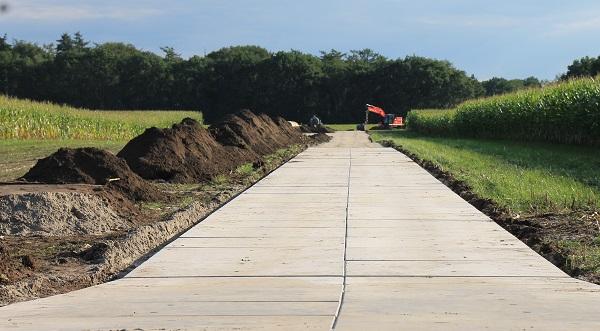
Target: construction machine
(388,121)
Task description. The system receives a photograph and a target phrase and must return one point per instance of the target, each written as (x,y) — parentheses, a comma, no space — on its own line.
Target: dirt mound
(187,152)
(319,129)
(257,134)
(183,153)
(319,138)
(92,166)
(58,214)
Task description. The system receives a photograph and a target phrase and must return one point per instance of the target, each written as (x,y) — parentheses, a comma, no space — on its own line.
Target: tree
(5,63)
(584,67)
(496,85)
(288,85)
(334,85)
(64,44)
(231,82)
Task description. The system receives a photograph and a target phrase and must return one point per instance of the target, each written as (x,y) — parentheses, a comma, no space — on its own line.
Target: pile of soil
(187,152)
(58,214)
(92,166)
(319,138)
(287,128)
(319,129)
(255,135)
(183,153)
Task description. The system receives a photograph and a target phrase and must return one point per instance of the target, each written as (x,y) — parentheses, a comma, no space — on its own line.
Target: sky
(504,38)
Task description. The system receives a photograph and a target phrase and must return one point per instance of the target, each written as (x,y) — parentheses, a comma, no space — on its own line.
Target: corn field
(24,119)
(567,112)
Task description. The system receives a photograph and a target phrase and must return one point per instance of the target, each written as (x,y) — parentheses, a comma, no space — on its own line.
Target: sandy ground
(20,188)
(58,214)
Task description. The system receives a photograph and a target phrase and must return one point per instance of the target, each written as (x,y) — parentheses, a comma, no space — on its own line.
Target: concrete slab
(172,322)
(451,303)
(347,139)
(257,242)
(283,232)
(243,261)
(349,216)
(524,266)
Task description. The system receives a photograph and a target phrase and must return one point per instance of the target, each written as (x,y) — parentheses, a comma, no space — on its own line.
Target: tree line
(334,85)
(584,67)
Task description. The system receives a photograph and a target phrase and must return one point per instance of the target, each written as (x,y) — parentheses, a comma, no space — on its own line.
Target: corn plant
(567,112)
(24,119)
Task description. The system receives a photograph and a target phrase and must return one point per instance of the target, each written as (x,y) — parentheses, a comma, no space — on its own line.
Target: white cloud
(556,24)
(48,12)
(576,25)
(473,21)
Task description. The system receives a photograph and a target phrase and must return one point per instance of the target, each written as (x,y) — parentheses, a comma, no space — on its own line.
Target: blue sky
(508,38)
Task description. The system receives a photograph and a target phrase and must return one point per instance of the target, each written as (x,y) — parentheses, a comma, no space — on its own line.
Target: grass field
(523,177)
(24,119)
(17,156)
(346,127)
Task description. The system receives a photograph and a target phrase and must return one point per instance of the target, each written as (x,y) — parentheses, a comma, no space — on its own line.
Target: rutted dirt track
(81,216)
(406,252)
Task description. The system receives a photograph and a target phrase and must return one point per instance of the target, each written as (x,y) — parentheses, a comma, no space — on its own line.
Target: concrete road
(349,235)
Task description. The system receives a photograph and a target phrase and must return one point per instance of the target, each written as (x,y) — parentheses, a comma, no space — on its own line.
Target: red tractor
(388,121)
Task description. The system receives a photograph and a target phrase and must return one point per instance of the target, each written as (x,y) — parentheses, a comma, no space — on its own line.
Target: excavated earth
(320,129)
(57,213)
(91,165)
(83,216)
(320,138)
(188,153)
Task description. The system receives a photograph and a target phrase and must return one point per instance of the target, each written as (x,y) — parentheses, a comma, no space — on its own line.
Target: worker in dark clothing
(314,122)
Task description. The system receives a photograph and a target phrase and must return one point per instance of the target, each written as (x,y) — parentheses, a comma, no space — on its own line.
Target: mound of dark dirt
(187,152)
(257,134)
(319,129)
(286,127)
(92,166)
(319,138)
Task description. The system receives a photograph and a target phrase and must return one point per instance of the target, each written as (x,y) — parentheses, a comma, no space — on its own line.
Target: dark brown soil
(320,129)
(319,138)
(14,267)
(189,153)
(183,153)
(28,256)
(92,166)
(542,232)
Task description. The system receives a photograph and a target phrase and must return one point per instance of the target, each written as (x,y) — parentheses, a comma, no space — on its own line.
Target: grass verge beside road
(522,177)
(546,195)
